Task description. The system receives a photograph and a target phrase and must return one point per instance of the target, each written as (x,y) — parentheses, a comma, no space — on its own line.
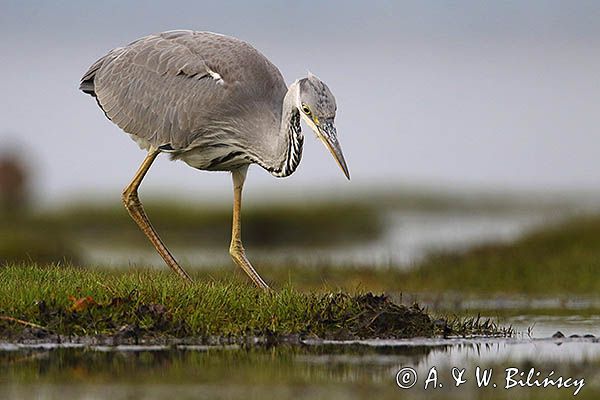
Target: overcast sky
(494,94)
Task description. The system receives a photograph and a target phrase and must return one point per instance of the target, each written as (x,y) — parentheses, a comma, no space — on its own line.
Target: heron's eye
(305,109)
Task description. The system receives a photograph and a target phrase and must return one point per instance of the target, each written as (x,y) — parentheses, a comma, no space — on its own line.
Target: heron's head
(317,108)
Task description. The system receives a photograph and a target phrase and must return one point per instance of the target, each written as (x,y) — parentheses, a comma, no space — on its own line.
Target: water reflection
(314,370)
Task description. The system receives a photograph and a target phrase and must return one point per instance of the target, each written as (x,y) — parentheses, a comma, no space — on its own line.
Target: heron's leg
(236,249)
(135,209)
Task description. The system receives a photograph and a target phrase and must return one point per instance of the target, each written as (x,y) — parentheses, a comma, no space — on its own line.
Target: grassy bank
(38,302)
(45,302)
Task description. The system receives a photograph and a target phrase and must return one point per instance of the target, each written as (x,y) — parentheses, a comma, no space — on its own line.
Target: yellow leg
(236,249)
(135,209)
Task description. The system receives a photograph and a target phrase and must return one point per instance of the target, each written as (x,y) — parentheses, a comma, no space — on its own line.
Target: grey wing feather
(163,89)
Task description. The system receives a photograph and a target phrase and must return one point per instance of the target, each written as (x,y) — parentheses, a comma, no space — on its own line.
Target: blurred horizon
(447,94)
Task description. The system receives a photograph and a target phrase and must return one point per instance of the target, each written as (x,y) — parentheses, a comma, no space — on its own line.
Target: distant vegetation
(558,259)
(53,236)
(561,259)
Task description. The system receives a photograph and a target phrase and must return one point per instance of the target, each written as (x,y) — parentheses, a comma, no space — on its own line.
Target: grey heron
(216,103)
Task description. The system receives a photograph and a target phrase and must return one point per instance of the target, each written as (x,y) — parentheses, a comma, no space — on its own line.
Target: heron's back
(184,90)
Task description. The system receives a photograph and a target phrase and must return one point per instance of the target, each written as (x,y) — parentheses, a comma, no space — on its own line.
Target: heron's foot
(239,257)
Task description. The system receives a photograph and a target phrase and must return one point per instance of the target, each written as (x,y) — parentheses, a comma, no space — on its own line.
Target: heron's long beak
(328,135)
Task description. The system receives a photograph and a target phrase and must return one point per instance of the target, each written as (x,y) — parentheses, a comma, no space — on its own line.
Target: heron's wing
(167,88)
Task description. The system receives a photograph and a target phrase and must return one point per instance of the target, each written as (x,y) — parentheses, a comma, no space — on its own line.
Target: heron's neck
(290,134)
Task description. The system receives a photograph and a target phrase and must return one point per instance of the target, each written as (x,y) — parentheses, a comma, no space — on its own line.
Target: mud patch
(370,316)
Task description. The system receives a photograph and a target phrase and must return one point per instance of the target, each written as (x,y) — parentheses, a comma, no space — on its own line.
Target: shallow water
(313,370)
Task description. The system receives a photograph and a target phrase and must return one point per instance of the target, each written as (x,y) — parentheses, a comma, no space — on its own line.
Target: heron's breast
(214,157)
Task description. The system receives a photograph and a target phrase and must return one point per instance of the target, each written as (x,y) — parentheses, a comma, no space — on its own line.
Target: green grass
(42,302)
(84,302)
